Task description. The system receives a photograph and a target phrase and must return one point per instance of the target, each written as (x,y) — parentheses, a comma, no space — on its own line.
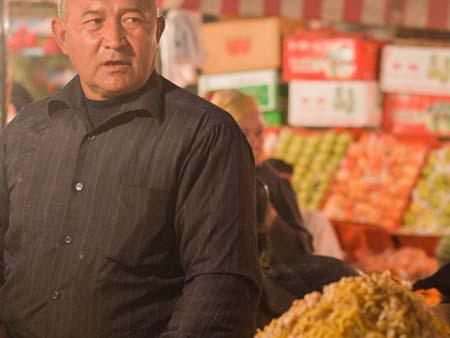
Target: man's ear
(59,32)
(160,25)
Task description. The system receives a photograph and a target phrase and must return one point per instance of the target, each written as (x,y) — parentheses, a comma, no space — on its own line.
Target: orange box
(417,114)
(330,55)
(247,44)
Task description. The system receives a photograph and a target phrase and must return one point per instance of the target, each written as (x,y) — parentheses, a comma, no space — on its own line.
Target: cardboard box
(264,85)
(334,104)
(416,70)
(240,45)
(329,55)
(417,114)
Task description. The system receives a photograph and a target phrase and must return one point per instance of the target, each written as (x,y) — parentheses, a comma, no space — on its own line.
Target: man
(126,204)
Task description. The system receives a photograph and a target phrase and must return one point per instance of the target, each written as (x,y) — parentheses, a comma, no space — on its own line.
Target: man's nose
(114,35)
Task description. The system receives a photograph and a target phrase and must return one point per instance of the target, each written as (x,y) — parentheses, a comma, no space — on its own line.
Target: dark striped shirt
(141,227)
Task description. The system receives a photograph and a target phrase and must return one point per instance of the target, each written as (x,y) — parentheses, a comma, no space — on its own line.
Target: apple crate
(428,212)
(374,183)
(315,156)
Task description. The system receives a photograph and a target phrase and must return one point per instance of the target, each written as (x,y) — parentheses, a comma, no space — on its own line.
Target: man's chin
(118,89)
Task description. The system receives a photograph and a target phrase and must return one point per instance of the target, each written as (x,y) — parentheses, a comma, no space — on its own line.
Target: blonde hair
(239,105)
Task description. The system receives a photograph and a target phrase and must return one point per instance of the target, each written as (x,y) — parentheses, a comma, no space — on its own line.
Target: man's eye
(94,22)
(132,21)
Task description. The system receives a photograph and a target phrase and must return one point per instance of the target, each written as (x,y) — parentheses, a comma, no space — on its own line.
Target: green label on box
(264,85)
(261,93)
(274,118)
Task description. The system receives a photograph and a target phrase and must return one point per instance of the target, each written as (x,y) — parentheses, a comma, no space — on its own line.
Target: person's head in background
(19,98)
(284,169)
(245,111)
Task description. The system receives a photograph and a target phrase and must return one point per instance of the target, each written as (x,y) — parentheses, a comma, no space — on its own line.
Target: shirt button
(68,239)
(91,137)
(79,186)
(55,295)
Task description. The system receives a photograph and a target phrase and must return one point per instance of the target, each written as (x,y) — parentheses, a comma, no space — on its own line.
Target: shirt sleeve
(216,224)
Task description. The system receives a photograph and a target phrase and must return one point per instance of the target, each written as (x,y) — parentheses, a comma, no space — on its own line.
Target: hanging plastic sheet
(181,47)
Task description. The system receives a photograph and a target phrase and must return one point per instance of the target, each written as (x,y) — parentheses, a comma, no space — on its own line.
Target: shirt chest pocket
(138,233)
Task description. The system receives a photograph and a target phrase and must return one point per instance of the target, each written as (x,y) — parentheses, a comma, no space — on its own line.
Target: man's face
(112,44)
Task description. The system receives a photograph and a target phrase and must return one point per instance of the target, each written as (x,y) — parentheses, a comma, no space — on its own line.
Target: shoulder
(30,115)
(31,118)
(183,105)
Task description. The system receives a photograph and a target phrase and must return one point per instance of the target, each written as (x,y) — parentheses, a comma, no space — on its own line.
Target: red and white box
(330,55)
(416,70)
(334,104)
(417,114)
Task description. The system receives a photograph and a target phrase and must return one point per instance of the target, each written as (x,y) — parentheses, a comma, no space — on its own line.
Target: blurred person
(289,269)
(283,220)
(283,168)
(128,208)
(440,280)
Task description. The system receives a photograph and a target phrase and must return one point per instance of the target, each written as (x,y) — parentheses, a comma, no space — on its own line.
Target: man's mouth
(117,65)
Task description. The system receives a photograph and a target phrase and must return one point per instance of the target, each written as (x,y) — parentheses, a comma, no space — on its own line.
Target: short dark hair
(280,166)
(62,6)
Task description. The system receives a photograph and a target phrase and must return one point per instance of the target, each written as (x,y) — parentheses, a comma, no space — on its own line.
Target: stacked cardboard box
(332,79)
(247,55)
(264,85)
(417,79)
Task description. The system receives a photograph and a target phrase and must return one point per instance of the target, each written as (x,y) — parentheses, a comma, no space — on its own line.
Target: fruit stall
(362,117)
(356,103)
(359,114)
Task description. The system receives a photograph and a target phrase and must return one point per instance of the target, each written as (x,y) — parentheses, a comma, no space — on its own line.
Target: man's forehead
(83,5)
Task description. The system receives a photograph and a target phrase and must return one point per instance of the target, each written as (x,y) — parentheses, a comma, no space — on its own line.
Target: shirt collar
(148,98)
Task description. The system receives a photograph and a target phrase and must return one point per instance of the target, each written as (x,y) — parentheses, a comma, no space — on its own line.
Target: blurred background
(355,96)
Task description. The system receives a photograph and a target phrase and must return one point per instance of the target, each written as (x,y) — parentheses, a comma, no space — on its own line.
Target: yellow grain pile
(369,306)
